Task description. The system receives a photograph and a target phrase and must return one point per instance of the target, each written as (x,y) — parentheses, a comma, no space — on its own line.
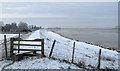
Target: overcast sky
(62,14)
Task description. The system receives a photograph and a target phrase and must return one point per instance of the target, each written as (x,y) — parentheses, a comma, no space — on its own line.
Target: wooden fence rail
(26,45)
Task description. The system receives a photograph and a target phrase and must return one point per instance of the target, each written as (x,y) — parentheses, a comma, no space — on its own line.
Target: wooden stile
(12,54)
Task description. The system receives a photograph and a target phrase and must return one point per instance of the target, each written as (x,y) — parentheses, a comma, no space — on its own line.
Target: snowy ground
(7,36)
(85,54)
(41,63)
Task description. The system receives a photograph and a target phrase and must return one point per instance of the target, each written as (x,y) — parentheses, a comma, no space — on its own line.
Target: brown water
(105,37)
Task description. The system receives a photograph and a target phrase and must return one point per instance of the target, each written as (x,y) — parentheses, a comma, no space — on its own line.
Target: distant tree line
(33,28)
(21,27)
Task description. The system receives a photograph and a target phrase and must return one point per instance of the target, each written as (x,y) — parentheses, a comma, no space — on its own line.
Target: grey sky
(62,14)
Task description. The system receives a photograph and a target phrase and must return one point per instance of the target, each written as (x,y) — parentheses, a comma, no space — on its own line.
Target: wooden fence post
(99,59)
(19,43)
(5,46)
(73,52)
(11,47)
(42,47)
(52,49)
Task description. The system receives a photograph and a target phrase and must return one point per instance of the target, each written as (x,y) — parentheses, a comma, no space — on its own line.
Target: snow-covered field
(2,41)
(41,63)
(7,36)
(85,54)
